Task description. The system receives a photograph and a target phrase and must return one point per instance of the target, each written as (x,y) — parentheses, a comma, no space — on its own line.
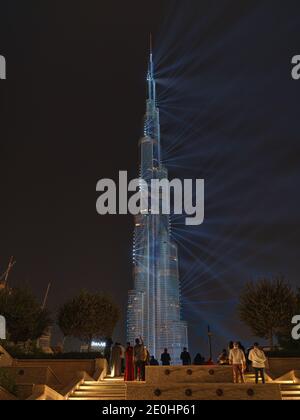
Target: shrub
(7,381)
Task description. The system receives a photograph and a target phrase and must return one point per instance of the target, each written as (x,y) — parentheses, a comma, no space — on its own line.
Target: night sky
(71,114)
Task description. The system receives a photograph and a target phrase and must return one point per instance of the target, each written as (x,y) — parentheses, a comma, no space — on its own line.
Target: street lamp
(210,335)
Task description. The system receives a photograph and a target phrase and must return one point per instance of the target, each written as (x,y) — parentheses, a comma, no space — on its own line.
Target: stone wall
(24,391)
(64,370)
(33,375)
(203,392)
(188,374)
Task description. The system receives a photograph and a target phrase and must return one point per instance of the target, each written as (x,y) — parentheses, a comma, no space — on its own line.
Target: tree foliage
(25,319)
(267,307)
(7,381)
(87,316)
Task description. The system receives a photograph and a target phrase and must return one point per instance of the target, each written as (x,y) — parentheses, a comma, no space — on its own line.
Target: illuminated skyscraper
(154,308)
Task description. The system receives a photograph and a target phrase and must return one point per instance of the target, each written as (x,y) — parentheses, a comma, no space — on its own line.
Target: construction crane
(43,342)
(4,276)
(46,296)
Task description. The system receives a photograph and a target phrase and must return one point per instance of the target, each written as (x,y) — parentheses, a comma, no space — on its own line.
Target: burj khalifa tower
(154,306)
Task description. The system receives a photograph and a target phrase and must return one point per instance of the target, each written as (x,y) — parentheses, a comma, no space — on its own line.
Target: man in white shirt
(238,361)
(258,359)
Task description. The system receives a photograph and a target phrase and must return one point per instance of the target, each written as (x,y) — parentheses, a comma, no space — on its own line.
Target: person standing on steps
(237,360)
(139,359)
(199,360)
(258,359)
(129,369)
(153,361)
(165,358)
(186,357)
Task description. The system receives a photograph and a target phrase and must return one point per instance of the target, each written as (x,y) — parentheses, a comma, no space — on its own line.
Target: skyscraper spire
(150,77)
(151,43)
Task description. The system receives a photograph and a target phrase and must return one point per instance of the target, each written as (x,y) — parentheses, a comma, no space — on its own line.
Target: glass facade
(154,307)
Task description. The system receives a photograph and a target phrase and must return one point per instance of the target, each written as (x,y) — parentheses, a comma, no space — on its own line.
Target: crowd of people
(132,360)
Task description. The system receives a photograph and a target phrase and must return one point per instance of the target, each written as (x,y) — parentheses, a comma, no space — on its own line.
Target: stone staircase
(108,390)
(115,390)
(290,392)
(250,378)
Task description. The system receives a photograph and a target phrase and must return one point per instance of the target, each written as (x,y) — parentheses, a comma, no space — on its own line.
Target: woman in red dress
(129,371)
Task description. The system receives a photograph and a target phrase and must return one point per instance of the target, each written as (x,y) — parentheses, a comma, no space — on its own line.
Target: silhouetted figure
(165,358)
(153,361)
(147,356)
(140,358)
(199,360)
(223,359)
(186,357)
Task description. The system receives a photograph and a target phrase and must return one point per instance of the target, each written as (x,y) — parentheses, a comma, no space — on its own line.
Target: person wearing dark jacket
(186,357)
(199,360)
(165,358)
(153,361)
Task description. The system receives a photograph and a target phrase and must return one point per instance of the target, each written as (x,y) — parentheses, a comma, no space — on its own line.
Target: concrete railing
(101,370)
(45,393)
(64,369)
(6,396)
(81,377)
(26,376)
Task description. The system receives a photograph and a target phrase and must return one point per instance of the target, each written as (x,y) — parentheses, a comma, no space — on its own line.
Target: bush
(34,353)
(25,319)
(18,352)
(63,356)
(7,382)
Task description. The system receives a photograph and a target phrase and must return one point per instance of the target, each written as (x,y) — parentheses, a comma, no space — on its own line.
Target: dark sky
(71,113)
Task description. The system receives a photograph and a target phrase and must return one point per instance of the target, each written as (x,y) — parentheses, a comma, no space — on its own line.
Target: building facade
(154,306)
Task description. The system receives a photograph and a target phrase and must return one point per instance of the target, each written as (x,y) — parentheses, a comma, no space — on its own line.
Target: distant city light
(99,344)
